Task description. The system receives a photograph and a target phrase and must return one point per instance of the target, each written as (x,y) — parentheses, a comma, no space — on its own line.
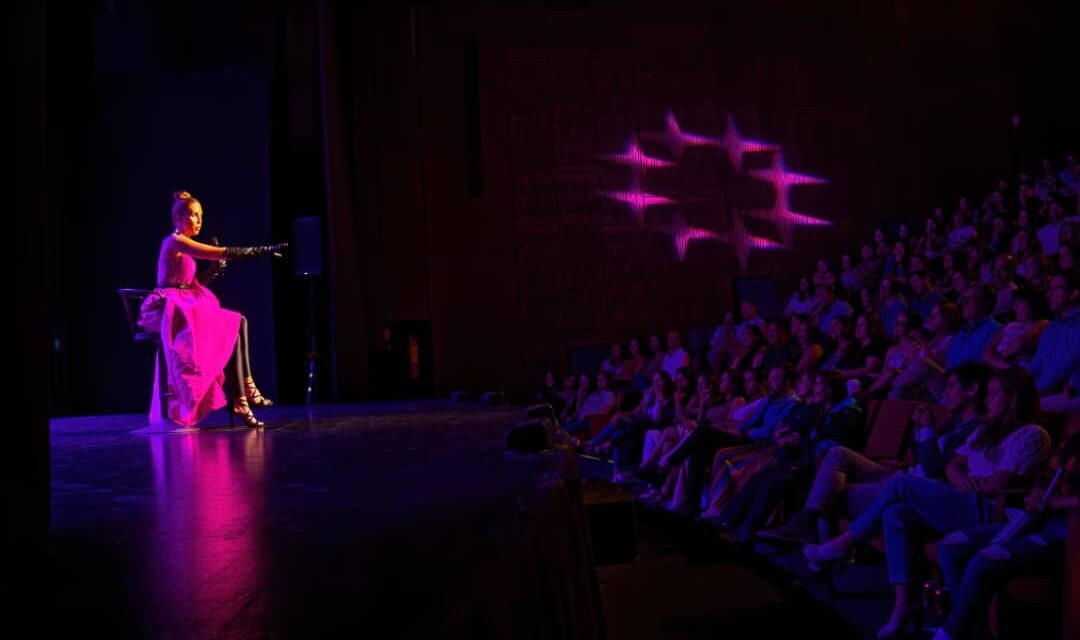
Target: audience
(988,293)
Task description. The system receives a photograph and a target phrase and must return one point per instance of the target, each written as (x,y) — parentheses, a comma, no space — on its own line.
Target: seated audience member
(864,360)
(890,302)
(568,396)
(923,376)
(598,402)
(624,435)
(633,369)
(896,263)
(751,342)
(675,358)
(841,425)
(613,364)
(1006,449)
(933,447)
(778,349)
(723,339)
(549,393)
(829,307)
(1004,282)
(802,301)
(923,297)
(1056,364)
(656,363)
(979,326)
(1016,342)
(823,277)
(975,567)
(867,272)
(808,351)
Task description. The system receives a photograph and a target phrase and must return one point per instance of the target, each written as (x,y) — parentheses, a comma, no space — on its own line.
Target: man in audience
(933,448)
(1056,365)
(778,351)
(748,311)
(1004,281)
(675,358)
(976,305)
(829,307)
(923,296)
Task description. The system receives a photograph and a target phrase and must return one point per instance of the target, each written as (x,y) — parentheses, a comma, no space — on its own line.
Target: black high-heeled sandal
(242,410)
(255,397)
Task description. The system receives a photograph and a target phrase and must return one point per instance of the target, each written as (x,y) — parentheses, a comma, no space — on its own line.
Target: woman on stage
(205,346)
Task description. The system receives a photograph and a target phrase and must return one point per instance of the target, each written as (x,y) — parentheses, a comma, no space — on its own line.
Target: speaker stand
(312,352)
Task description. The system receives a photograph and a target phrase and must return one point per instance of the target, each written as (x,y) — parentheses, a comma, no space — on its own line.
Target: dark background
(454,151)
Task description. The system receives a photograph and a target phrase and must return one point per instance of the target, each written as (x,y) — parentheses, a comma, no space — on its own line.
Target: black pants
(750,509)
(238,368)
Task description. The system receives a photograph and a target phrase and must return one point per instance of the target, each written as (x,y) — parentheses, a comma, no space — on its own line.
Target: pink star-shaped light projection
(633,156)
(677,139)
(742,242)
(782,181)
(737,147)
(639,201)
(784,218)
(682,235)
(781,178)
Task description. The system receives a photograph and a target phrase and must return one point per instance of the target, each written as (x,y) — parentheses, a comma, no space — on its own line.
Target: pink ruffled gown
(198,337)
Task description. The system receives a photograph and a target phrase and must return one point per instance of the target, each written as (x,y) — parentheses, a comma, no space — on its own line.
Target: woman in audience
(808,352)
(997,455)
(656,363)
(975,567)
(882,248)
(802,301)
(613,364)
(907,340)
(568,396)
(549,393)
(623,436)
(633,370)
(890,302)
(659,442)
(949,267)
(924,376)
(823,276)
(932,242)
(848,279)
(746,349)
(896,262)
(863,359)
(600,402)
(1016,342)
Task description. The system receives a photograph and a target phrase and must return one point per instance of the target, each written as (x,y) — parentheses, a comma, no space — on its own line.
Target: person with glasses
(976,304)
(1056,364)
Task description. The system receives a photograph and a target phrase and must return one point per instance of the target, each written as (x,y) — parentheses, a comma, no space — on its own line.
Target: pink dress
(198,338)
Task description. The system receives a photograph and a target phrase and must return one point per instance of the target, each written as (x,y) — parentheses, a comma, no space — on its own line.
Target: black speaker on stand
(307,258)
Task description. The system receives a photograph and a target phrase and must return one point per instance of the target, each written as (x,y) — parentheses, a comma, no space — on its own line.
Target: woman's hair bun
(181,195)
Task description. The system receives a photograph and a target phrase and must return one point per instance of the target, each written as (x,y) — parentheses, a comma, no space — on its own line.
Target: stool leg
(163,383)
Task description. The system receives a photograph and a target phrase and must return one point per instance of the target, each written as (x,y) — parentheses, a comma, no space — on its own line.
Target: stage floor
(358,520)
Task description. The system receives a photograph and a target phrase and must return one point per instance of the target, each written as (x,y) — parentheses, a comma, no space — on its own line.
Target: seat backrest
(132,300)
(889,434)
